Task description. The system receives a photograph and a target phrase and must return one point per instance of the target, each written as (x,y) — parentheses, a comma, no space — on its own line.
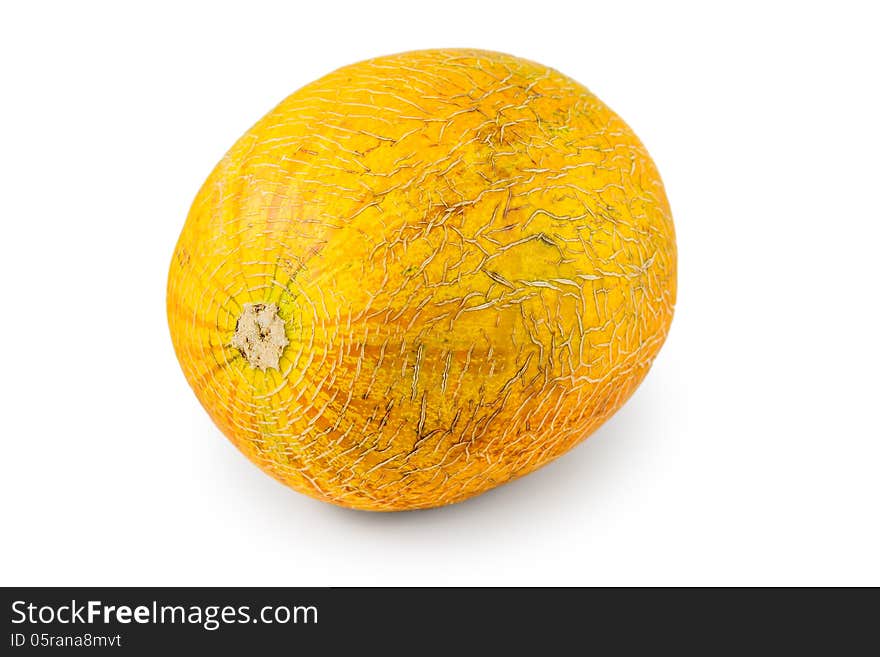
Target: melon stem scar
(259,335)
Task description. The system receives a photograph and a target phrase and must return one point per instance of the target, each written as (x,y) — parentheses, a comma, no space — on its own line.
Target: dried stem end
(259,335)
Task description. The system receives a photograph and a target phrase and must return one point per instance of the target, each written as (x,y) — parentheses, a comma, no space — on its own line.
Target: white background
(750,455)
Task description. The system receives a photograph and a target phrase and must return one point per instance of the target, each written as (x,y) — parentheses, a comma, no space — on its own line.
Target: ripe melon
(422,276)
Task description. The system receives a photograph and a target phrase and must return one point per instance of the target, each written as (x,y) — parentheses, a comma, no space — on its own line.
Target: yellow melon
(422,276)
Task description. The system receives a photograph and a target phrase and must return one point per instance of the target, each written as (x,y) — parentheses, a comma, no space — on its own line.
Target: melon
(422,276)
